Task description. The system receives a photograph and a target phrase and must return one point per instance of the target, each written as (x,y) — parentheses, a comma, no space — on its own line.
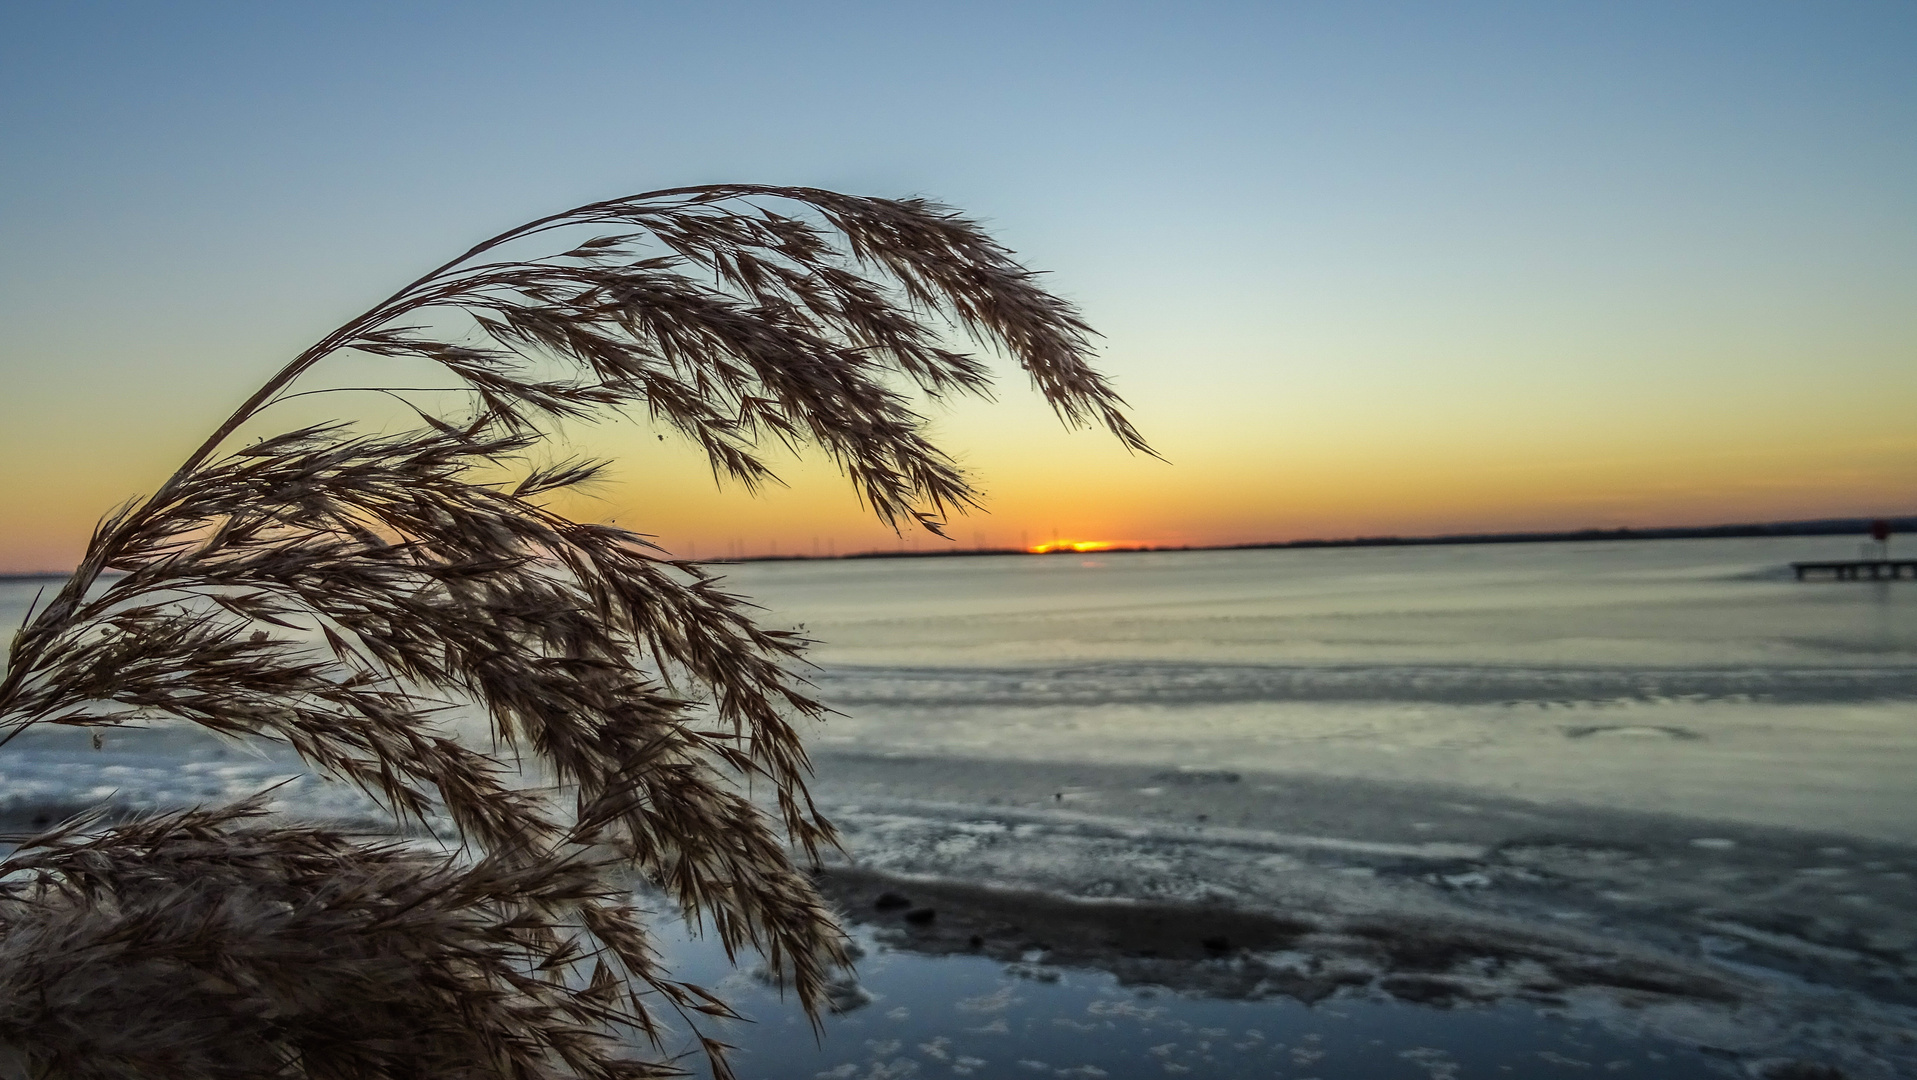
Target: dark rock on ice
(1197,776)
(1425,989)
(1793,1069)
(846,995)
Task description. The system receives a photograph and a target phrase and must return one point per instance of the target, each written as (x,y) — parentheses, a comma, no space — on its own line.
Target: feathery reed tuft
(348,594)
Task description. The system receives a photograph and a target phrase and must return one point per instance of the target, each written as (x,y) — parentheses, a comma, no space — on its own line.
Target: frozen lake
(1692,677)
(1654,788)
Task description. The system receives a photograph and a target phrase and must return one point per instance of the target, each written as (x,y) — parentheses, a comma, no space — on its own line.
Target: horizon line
(1805,527)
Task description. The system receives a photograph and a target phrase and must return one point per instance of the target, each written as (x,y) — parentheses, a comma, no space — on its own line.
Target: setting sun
(1060,546)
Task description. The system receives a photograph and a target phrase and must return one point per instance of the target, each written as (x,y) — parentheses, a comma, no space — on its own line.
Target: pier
(1859,569)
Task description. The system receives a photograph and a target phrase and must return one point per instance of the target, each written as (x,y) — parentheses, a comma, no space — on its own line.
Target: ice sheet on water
(1759,943)
(1699,605)
(1200,683)
(49,772)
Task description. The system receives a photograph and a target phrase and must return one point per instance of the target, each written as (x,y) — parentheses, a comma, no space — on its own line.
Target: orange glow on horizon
(1060,546)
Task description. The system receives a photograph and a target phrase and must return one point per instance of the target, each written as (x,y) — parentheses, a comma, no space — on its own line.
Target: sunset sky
(1360,268)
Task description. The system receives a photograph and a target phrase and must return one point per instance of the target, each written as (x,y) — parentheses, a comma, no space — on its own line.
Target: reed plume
(350,594)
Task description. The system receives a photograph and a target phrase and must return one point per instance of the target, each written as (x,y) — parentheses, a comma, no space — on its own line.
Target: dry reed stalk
(338,591)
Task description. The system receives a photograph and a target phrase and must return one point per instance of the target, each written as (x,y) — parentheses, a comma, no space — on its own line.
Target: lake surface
(1693,677)
(1656,796)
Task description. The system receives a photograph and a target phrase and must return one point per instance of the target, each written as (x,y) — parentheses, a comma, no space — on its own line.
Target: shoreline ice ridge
(1195,683)
(1755,942)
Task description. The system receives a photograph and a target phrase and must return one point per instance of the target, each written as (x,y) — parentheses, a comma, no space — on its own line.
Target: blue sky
(1361,267)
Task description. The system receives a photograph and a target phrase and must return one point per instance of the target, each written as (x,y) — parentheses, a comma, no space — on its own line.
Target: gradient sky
(1361,268)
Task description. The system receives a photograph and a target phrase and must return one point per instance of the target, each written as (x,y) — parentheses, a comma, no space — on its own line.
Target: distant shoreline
(1816,527)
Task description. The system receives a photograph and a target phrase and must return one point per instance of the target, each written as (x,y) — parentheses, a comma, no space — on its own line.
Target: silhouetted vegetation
(352,595)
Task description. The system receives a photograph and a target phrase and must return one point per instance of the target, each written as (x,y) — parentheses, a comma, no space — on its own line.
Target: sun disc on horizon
(1054,547)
